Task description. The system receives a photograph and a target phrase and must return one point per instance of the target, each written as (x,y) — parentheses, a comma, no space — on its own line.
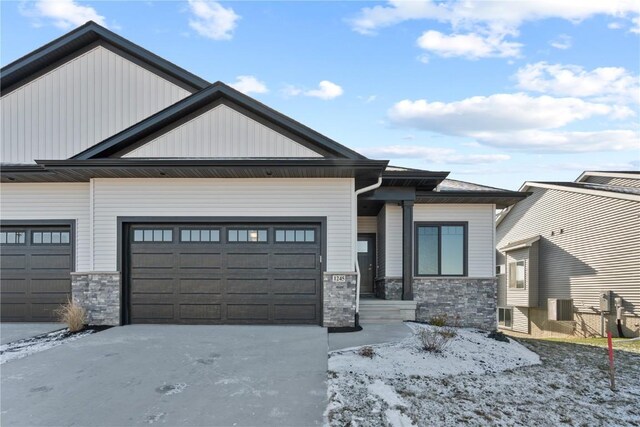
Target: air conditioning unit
(560,309)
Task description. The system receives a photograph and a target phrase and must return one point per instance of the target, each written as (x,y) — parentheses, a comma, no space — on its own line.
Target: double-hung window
(516,275)
(441,249)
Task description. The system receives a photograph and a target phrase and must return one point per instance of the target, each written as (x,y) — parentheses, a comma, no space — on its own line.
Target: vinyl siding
(332,198)
(480,217)
(222,132)
(519,297)
(521,320)
(367,224)
(51,201)
(381,240)
(609,180)
(599,248)
(79,104)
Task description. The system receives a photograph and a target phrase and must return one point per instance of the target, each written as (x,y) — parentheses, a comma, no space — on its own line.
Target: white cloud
(505,16)
(64,13)
(562,42)
(433,154)
(249,84)
(471,45)
(326,90)
(563,142)
(368,99)
(636,25)
(499,112)
(603,83)
(212,20)
(614,25)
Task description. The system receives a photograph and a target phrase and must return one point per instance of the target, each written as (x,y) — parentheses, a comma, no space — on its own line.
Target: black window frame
(163,229)
(24,238)
(440,224)
(200,229)
(247,229)
(504,322)
(303,229)
(51,243)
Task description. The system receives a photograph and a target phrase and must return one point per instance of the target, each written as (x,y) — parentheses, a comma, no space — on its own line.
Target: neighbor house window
(242,235)
(200,235)
(297,235)
(505,316)
(441,249)
(516,275)
(12,237)
(153,235)
(50,237)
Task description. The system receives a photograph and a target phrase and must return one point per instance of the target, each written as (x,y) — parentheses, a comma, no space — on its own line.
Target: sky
(496,92)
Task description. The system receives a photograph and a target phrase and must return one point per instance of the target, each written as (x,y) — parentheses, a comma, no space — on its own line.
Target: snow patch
(398,419)
(23,348)
(386,393)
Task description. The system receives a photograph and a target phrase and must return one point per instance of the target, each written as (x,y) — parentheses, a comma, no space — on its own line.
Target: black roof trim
(501,199)
(20,70)
(191,104)
(211,162)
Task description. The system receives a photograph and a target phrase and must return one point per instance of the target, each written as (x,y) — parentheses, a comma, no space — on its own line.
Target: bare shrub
(367,351)
(73,314)
(448,332)
(438,320)
(433,340)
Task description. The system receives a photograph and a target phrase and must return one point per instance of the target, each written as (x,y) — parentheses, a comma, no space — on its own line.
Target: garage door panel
(13,261)
(48,286)
(294,286)
(225,282)
(12,286)
(300,312)
(12,312)
(152,286)
(157,260)
(201,311)
(202,260)
(293,260)
(44,311)
(201,286)
(44,261)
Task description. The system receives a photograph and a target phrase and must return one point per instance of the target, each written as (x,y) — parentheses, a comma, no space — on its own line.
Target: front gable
(222,132)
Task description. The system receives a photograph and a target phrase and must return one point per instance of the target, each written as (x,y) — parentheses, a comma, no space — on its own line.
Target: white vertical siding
(393,240)
(51,201)
(382,244)
(78,104)
(599,246)
(332,198)
(368,224)
(222,132)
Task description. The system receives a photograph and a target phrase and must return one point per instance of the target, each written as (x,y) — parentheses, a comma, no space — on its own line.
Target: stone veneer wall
(339,300)
(389,288)
(99,294)
(473,301)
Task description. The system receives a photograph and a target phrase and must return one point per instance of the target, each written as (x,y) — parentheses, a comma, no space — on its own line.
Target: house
(149,195)
(569,257)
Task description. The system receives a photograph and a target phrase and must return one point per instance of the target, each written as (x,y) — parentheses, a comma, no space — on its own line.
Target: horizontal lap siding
(222,132)
(332,198)
(367,224)
(521,319)
(598,249)
(51,201)
(610,180)
(480,238)
(78,105)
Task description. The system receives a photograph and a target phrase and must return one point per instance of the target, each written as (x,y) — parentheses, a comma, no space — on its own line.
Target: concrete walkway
(372,333)
(173,375)
(10,332)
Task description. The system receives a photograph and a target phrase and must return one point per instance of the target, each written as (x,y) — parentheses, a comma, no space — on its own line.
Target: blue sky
(495,92)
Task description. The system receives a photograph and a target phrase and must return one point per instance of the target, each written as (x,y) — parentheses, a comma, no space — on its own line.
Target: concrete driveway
(172,375)
(10,332)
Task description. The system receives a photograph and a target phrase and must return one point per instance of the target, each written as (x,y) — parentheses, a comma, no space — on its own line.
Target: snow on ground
(23,348)
(478,381)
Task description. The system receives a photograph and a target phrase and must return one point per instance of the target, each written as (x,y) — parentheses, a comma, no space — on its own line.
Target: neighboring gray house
(569,255)
(151,196)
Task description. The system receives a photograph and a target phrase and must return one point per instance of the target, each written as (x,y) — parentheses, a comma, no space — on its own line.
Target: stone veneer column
(474,301)
(389,288)
(339,299)
(99,294)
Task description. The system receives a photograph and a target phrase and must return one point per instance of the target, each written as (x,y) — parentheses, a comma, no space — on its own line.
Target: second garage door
(224,273)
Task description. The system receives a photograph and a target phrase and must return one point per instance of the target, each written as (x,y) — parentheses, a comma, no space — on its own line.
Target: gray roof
(524,243)
(593,186)
(455,185)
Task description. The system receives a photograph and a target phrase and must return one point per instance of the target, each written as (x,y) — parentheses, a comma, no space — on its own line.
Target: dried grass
(73,314)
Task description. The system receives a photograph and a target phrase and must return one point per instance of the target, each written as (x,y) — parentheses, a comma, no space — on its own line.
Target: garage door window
(12,237)
(50,237)
(200,235)
(298,236)
(240,235)
(149,235)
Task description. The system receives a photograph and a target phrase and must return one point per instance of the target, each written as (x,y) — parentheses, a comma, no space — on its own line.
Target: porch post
(407,250)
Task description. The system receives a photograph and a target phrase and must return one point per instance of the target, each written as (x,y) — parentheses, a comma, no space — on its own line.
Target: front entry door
(367,262)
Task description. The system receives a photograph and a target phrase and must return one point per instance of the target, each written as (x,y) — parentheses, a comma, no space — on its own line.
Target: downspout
(355,244)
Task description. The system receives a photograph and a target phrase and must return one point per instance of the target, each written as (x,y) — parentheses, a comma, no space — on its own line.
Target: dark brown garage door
(35,267)
(224,273)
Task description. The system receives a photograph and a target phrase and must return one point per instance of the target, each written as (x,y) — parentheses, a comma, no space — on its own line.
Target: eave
(501,199)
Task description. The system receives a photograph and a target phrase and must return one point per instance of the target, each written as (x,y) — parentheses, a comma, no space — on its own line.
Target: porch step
(386,311)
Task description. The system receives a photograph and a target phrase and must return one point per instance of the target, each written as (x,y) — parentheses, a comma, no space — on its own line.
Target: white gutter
(355,241)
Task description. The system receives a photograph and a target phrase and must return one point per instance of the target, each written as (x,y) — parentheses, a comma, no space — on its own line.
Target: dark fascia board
(501,199)
(227,162)
(186,106)
(20,70)
(390,194)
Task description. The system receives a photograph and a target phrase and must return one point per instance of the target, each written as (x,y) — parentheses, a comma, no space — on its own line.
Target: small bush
(498,336)
(73,314)
(367,351)
(438,320)
(433,340)
(448,332)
